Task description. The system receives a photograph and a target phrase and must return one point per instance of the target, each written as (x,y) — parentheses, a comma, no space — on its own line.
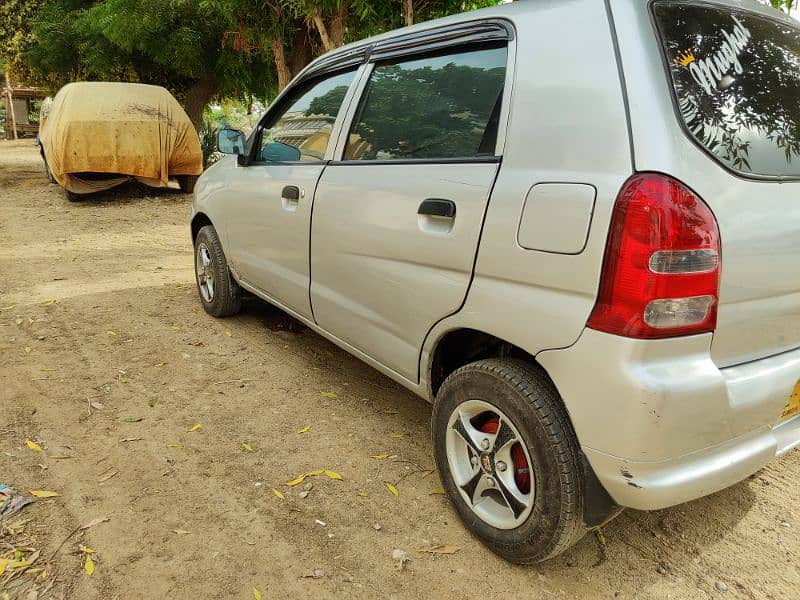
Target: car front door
(270,197)
(397,220)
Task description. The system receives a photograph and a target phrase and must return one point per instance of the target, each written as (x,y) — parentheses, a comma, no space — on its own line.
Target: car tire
(187,183)
(517,425)
(72,196)
(219,293)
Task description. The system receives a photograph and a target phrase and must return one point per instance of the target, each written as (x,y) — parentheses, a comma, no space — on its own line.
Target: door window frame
(280,105)
(453,46)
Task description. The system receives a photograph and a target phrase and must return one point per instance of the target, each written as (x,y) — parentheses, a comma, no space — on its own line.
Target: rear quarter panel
(567,125)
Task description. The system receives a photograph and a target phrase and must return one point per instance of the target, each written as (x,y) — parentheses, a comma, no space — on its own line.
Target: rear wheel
(187,183)
(219,293)
(508,459)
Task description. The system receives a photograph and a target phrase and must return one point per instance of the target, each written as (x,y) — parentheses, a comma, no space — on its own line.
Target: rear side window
(438,107)
(736,78)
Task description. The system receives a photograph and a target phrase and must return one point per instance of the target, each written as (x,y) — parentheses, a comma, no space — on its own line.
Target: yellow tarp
(129,129)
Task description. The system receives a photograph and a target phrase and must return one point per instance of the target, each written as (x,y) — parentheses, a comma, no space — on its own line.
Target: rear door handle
(437,207)
(291,192)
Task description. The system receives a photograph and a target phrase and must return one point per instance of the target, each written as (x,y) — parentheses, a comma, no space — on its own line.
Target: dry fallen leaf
(304,429)
(111,333)
(297,480)
(392,488)
(396,436)
(195,427)
(130,439)
(94,522)
(332,474)
(18,321)
(33,445)
(379,456)
(363,494)
(278,493)
(329,395)
(439,492)
(256,593)
(27,349)
(440,549)
(89,565)
(159,365)
(44,494)
(86,549)
(247,446)
(315,472)
(228,332)
(4,562)
(181,531)
(97,405)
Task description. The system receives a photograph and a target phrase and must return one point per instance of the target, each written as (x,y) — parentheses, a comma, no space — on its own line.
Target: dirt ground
(107,357)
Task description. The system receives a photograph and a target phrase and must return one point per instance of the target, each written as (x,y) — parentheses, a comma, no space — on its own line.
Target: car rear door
(397,219)
(269,200)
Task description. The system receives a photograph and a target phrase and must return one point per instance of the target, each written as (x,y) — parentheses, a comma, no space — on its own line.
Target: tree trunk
(302,50)
(282,68)
(338,24)
(322,29)
(197,97)
(408,12)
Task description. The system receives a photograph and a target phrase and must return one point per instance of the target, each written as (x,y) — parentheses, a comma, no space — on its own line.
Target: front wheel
(509,459)
(219,293)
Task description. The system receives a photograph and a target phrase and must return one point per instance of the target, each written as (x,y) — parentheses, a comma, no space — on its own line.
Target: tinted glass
(304,126)
(736,77)
(436,107)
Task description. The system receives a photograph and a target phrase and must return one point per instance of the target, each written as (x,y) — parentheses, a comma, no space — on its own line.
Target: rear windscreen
(736,77)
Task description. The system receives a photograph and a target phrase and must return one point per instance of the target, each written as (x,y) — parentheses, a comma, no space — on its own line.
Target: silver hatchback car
(574,227)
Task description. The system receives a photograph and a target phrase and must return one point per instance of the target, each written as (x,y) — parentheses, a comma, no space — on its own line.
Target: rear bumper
(660,424)
(651,486)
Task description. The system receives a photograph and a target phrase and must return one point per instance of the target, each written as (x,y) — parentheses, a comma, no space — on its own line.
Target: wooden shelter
(19,106)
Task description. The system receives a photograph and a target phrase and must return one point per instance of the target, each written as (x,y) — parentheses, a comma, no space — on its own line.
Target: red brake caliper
(522,472)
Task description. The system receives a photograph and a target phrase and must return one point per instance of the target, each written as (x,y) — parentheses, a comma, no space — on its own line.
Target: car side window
(438,107)
(302,129)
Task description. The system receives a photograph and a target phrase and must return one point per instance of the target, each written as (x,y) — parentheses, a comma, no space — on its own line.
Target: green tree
(198,49)
(786,5)
(16,18)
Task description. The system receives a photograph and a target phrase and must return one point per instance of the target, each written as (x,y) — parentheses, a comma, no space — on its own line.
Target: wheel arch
(199,221)
(459,346)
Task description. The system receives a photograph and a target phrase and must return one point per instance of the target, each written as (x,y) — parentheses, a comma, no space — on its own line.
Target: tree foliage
(198,49)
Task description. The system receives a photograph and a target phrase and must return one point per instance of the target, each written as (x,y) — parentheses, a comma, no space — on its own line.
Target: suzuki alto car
(574,227)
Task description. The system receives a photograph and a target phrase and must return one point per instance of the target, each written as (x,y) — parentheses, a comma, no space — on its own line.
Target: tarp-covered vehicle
(99,135)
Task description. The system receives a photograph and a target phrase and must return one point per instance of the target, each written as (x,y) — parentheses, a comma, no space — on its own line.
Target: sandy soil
(98,305)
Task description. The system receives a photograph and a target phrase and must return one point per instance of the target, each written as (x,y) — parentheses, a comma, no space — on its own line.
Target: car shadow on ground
(670,539)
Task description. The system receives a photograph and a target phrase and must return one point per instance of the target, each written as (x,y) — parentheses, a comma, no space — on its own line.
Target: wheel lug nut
(501,466)
(484,444)
(490,482)
(474,460)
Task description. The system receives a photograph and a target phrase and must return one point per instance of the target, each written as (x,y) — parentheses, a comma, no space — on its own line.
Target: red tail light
(662,263)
